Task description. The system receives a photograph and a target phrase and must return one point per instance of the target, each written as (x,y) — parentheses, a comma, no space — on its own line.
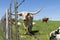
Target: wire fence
(8,29)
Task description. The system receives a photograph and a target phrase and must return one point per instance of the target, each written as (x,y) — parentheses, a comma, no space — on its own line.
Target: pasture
(41,30)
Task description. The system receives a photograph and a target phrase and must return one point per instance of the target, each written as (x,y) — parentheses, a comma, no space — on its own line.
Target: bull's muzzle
(24,20)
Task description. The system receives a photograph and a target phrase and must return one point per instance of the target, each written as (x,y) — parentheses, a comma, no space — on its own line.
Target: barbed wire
(19,5)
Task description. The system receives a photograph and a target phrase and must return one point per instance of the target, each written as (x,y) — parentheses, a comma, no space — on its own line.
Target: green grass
(43,34)
(1,33)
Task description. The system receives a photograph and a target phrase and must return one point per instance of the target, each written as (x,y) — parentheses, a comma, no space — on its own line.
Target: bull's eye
(20,14)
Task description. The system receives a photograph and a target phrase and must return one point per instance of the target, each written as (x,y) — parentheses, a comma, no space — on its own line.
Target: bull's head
(25,15)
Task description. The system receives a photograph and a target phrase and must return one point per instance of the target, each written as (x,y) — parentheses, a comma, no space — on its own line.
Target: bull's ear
(20,14)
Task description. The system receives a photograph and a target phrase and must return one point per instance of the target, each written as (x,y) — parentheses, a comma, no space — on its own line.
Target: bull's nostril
(24,20)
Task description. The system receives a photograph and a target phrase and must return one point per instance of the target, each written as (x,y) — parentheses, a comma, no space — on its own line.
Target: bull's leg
(46,21)
(30,29)
(43,21)
(26,29)
(27,32)
(24,24)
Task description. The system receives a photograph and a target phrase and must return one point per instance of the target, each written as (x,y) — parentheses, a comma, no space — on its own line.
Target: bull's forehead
(24,13)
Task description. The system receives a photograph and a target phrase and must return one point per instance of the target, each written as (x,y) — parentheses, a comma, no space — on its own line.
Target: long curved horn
(33,13)
(18,13)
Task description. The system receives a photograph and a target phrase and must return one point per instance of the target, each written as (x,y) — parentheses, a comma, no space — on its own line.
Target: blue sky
(51,8)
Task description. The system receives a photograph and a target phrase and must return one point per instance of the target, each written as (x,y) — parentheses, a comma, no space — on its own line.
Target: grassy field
(43,30)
